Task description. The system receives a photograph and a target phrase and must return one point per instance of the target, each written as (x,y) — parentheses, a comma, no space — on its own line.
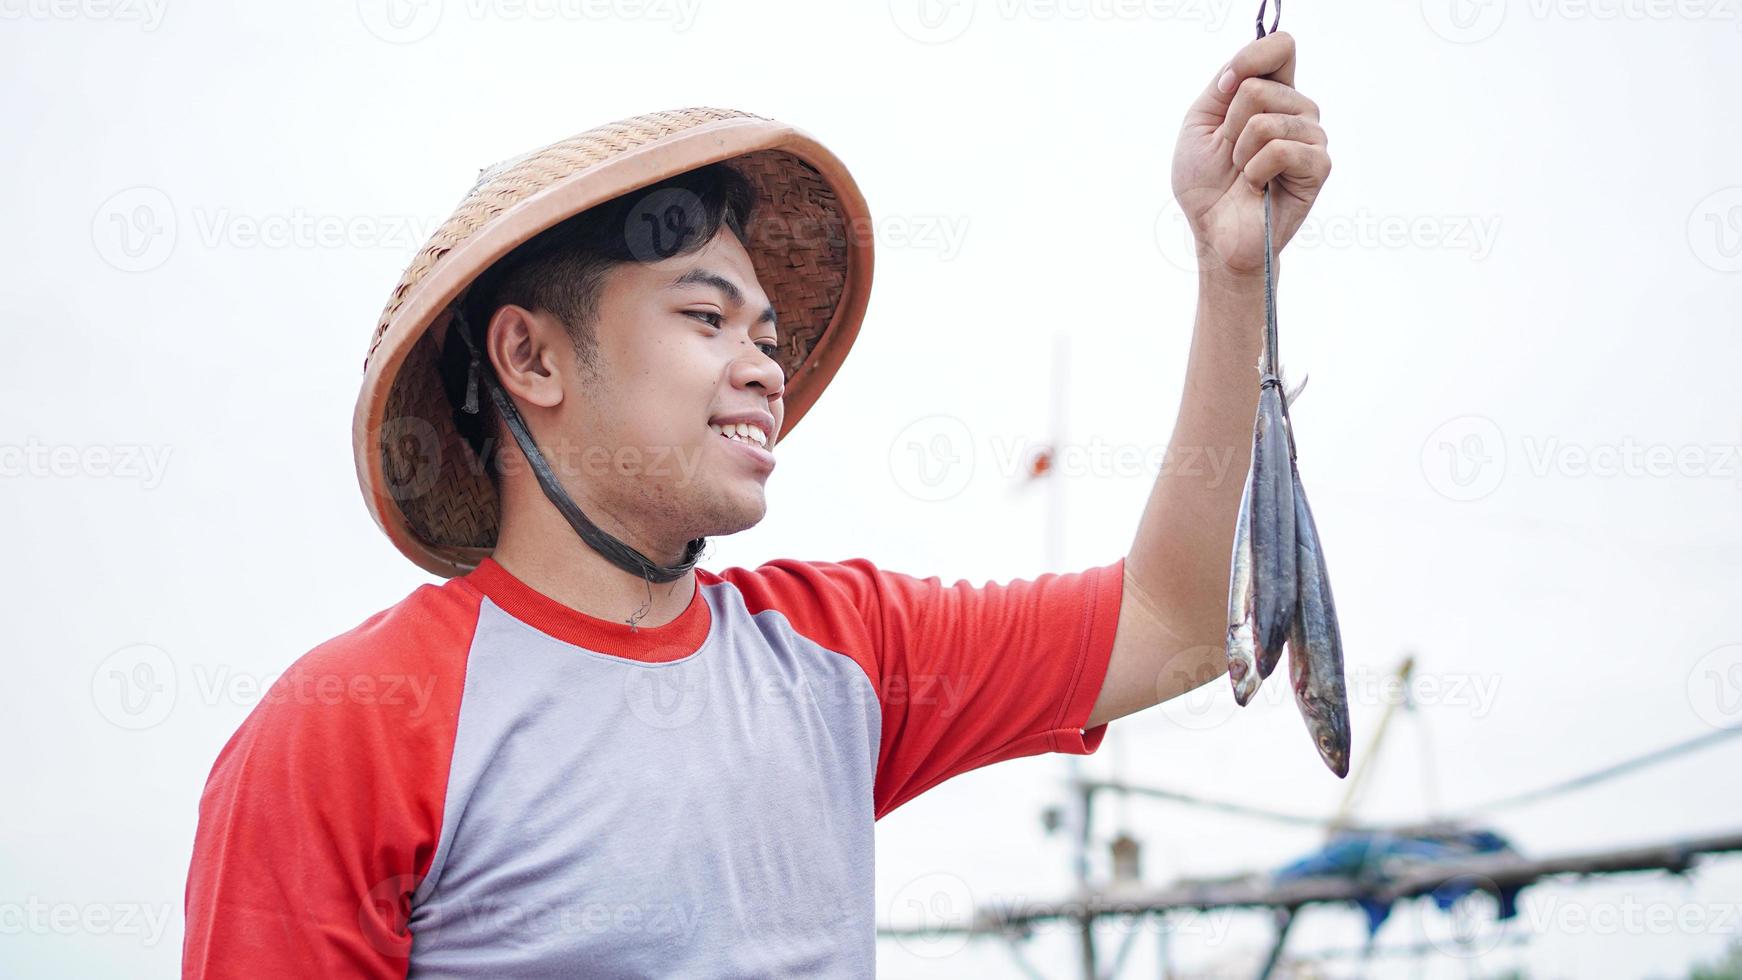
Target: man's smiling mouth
(753,427)
(741,432)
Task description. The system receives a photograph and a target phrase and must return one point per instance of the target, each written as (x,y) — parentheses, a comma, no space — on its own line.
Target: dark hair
(563,270)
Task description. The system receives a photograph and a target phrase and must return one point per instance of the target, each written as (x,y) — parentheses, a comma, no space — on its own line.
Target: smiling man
(620,763)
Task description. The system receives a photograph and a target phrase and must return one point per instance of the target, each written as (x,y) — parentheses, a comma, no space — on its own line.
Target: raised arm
(1249,126)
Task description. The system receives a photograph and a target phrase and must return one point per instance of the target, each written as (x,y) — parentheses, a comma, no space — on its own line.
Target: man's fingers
(1305,162)
(1268,126)
(1271,56)
(1259,95)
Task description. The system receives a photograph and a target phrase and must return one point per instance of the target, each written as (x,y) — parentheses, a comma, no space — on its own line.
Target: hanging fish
(1241,642)
(1279,592)
(1242,660)
(1315,646)
(1272,528)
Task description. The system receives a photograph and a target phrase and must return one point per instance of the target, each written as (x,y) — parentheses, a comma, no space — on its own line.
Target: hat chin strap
(615,551)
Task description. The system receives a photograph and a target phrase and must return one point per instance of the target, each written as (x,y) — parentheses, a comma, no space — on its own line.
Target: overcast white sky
(1518,301)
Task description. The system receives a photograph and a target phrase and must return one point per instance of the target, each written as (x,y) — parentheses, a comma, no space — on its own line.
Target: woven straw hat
(809,243)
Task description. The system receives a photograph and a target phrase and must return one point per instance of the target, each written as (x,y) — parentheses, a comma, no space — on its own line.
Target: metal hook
(1274,20)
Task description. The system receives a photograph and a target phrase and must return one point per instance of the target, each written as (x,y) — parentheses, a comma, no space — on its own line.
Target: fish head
(1330,732)
(1241,664)
(1245,682)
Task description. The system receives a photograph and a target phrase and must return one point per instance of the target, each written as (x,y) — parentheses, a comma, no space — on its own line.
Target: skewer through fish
(1279,592)
(1241,643)
(1271,516)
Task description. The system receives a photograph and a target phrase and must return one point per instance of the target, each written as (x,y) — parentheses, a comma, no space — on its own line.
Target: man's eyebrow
(734,295)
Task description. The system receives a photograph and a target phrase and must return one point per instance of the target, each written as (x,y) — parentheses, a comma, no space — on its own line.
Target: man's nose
(752,368)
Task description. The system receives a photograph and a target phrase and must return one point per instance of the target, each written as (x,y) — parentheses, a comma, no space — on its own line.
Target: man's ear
(525,346)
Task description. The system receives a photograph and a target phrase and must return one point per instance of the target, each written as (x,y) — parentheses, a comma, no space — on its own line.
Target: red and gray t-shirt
(483,782)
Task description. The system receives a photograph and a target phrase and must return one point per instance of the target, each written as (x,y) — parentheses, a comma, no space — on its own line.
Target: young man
(583,755)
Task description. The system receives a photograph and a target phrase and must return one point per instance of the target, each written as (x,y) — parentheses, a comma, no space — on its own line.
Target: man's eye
(768,347)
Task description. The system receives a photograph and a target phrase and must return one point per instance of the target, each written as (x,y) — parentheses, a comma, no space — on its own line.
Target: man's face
(678,357)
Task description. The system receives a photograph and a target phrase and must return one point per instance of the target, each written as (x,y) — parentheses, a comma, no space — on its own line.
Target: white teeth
(741,430)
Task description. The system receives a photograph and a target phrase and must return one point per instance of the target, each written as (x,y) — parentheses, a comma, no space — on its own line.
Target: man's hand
(1249,126)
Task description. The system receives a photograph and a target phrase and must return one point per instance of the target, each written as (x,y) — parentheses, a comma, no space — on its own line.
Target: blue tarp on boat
(1369,854)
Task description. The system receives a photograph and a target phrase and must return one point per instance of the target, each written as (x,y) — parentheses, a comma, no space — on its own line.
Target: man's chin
(734,513)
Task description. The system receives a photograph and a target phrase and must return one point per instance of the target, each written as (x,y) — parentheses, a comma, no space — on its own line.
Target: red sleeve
(965,676)
(322,812)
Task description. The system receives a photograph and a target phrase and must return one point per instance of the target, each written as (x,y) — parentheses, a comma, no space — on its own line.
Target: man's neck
(538,547)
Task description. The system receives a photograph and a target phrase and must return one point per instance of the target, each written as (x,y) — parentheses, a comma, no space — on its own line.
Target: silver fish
(1242,661)
(1274,557)
(1315,647)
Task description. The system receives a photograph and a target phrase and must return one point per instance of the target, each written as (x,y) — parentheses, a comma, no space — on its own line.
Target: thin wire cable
(1609,772)
(1519,799)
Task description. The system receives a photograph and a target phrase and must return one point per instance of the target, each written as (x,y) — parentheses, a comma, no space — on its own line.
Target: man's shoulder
(401,666)
(780,583)
(430,624)
(840,605)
